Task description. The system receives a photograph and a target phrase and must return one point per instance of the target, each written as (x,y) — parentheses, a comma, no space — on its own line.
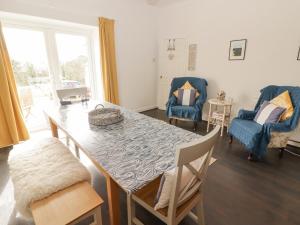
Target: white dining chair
(179,207)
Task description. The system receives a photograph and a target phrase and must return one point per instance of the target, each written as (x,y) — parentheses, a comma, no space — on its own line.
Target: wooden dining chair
(193,198)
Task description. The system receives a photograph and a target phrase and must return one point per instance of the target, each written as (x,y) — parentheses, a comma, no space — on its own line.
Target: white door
(169,68)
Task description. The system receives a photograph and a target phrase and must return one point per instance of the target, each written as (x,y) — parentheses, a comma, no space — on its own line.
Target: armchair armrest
(172,101)
(246,114)
(199,103)
(278,127)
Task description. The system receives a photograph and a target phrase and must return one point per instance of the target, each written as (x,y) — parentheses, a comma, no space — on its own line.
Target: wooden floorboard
(237,192)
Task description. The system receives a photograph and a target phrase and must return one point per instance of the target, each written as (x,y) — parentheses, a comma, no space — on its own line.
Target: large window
(45,59)
(73,59)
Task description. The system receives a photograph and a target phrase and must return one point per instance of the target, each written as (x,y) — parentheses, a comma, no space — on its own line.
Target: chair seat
(181,111)
(148,193)
(246,131)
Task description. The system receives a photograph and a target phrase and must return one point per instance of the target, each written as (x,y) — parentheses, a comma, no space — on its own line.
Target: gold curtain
(12,126)
(108,60)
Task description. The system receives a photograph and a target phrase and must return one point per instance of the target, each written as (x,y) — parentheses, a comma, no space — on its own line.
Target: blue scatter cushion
(186,97)
(268,113)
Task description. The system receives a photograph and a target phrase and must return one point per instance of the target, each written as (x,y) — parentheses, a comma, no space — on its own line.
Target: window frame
(50,28)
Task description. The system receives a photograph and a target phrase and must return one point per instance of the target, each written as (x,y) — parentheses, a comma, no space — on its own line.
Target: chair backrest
(272,91)
(25,96)
(70,92)
(187,155)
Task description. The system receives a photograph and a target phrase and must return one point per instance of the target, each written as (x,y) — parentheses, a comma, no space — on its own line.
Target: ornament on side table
(221,96)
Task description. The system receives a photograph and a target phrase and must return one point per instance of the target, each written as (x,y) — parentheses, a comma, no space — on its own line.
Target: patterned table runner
(133,152)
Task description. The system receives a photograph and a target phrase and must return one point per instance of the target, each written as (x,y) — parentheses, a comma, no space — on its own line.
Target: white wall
(270,26)
(272,30)
(135,38)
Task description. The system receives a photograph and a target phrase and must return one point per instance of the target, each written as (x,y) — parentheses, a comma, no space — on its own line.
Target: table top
(133,152)
(215,101)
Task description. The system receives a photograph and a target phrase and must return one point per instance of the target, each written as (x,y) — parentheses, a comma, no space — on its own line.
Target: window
(44,59)
(73,60)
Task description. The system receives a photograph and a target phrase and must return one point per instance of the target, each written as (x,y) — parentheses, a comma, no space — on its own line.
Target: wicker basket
(104,116)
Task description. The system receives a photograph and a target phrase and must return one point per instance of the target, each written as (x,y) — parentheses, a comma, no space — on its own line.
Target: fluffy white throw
(40,168)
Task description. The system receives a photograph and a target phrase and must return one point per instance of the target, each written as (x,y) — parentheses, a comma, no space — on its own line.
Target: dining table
(129,154)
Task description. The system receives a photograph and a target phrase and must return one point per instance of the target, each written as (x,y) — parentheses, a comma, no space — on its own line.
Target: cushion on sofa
(268,113)
(187,85)
(284,100)
(186,97)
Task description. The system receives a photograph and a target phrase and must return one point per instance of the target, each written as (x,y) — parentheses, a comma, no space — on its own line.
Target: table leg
(113,201)
(53,127)
(208,119)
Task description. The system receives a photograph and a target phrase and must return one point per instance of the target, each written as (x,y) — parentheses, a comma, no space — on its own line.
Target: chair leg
(195,126)
(200,213)
(230,139)
(97,217)
(281,151)
(170,121)
(252,157)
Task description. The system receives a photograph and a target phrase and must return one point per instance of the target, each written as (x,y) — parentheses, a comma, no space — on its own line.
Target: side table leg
(223,120)
(208,119)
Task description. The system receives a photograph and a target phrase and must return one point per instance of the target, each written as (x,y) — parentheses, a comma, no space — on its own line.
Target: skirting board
(145,108)
(294,143)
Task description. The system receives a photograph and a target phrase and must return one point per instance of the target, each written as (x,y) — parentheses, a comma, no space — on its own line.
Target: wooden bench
(68,206)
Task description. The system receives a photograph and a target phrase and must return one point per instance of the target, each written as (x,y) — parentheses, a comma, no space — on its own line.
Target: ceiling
(162,2)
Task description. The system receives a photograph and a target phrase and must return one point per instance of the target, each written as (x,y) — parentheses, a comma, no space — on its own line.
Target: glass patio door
(43,61)
(27,51)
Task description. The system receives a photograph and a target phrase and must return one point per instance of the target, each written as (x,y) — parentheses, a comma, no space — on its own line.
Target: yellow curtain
(12,126)
(108,60)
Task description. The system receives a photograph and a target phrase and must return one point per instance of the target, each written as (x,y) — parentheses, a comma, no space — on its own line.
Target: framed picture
(298,56)
(237,49)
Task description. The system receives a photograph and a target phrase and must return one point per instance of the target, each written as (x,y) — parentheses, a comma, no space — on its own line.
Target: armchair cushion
(194,112)
(246,131)
(268,113)
(284,100)
(186,97)
(187,85)
(184,112)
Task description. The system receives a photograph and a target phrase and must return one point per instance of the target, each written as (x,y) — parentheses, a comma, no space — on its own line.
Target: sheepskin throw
(40,168)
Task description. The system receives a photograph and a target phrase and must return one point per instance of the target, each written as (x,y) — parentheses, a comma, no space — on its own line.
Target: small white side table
(217,116)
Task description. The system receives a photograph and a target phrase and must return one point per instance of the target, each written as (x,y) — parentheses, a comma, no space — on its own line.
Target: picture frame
(298,55)
(237,49)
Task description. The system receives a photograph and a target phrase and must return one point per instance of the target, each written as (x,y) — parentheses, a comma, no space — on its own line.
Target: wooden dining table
(130,153)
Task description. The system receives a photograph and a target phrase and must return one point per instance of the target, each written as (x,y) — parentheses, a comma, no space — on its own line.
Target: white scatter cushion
(268,113)
(186,97)
(168,182)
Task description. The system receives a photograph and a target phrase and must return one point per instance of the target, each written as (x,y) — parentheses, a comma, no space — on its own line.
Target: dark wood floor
(237,192)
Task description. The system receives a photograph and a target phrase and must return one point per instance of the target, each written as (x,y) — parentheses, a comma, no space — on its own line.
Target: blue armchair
(257,138)
(190,113)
